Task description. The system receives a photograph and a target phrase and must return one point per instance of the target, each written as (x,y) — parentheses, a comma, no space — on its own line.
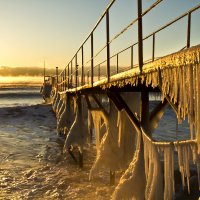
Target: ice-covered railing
(75,75)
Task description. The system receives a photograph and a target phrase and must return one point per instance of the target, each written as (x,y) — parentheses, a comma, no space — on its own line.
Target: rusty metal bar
(108,44)
(120,104)
(44,71)
(131,57)
(68,76)
(98,22)
(76,72)
(117,63)
(61,81)
(92,61)
(82,71)
(88,77)
(99,72)
(71,75)
(188,29)
(65,76)
(57,78)
(172,22)
(140,36)
(153,48)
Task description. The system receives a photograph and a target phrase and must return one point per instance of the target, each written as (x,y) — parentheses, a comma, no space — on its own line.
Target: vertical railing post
(99,73)
(82,71)
(153,48)
(65,78)
(140,36)
(88,78)
(117,63)
(68,76)
(76,72)
(188,29)
(44,71)
(144,94)
(71,75)
(92,60)
(61,82)
(57,78)
(108,44)
(131,56)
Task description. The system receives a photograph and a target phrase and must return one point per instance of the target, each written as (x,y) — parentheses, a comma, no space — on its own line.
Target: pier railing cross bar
(73,76)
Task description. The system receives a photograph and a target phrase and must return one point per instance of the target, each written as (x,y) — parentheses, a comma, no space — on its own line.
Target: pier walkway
(85,86)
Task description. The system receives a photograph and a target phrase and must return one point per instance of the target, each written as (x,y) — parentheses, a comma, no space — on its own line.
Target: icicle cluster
(153,171)
(187,151)
(98,116)
(178,77)
(115,143)
(107,147)
(168,153)
(77,135)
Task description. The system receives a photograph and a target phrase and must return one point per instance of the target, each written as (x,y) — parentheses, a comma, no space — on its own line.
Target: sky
(52,30)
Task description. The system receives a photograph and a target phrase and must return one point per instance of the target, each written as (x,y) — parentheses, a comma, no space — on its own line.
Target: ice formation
(153,171)
(98,116)
(178,77)
(114,150)
(132,183)
(187,151)
(62,106)
(55,103)
(46,90)
(59,106)
(181,83)
(77,135)
(66,119)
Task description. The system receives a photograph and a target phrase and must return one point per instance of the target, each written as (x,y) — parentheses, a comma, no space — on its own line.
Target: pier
(112,102)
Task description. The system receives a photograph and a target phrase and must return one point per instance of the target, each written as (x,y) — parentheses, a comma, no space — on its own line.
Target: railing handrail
(158,30)
(98,22)
(68,78)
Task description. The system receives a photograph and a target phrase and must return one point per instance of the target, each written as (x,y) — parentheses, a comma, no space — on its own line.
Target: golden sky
(36,30)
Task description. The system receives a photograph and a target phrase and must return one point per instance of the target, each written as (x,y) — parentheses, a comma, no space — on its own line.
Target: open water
(19,96)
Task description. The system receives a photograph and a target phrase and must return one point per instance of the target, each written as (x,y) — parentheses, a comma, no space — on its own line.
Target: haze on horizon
(25,71)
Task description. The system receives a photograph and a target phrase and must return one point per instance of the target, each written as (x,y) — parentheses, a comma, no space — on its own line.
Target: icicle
(191,101)
(97,116)
(154,177)
(168,152)
(121,126)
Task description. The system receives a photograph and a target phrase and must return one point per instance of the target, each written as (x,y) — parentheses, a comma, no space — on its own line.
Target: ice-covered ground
(32,165)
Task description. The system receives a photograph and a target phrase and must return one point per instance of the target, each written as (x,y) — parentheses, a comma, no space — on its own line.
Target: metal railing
(70,76)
